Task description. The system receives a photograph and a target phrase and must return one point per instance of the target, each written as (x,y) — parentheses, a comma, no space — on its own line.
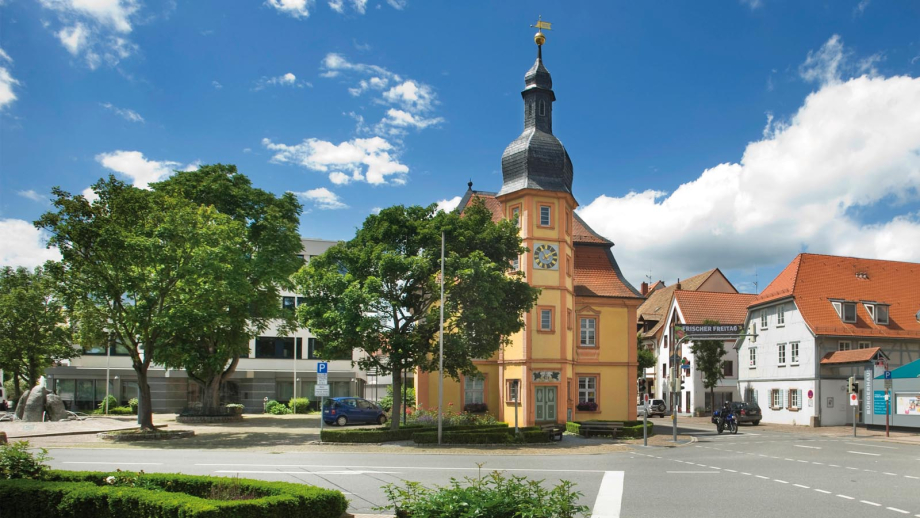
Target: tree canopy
(266,260)
(708,355)
(34,331)
(380,291)
(143,269)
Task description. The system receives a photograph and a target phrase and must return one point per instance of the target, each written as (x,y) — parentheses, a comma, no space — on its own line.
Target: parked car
(657,407)
(345,410)
(744,412)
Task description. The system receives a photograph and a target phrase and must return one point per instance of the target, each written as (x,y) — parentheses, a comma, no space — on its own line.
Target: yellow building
(576,357)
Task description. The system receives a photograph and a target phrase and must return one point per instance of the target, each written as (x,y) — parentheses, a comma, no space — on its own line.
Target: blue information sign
(878,403)
(887,375)
(322,368)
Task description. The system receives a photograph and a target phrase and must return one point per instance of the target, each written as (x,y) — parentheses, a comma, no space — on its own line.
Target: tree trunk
(712,399)
(210,396)
(144,408)
(17,383)
(396,412)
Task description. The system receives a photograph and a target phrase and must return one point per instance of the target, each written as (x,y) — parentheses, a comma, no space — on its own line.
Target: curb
(87,432)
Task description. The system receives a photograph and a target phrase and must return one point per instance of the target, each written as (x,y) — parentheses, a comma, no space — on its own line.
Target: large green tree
(708,356)
(380,291)
(34,331)
(269,257)
(143,269)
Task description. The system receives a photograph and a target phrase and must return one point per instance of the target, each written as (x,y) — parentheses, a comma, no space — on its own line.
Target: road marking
(870,470)
(693,472)
(609,496)
(743,473)
(780,481)
(730,470)
(857,469)
(895,509)
(864,453)
(823,491)
(763,477)
(341,472)
(818,463)
(847,497)
(871,503)
(715,467)
(801,486)
(889,474)
(870,445)
(833,465)
(911,476)
(809,447)
(119,463)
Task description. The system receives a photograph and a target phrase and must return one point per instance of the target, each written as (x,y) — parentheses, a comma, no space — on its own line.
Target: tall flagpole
(441,352)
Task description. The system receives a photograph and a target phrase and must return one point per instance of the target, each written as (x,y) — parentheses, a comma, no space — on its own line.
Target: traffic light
(642,386)
(682,384)
(850,384)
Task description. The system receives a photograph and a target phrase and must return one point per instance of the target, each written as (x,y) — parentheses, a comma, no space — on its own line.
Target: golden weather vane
(539,38)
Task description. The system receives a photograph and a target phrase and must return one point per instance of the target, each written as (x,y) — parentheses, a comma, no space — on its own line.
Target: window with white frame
(881,314)
(780,315)
(752,356)
(795,398)
(512,391)
(849,312)
(546,320)
(473,389)
(776,399)
(865,345)
(781,354)
(844,346)
(587,389)
(545,215)
(838,307)
(763,319)
(516,263)
(870,309)
(588,332)
(794,353)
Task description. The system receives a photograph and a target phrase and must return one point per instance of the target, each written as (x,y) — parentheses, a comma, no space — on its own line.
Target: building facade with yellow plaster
(575,359)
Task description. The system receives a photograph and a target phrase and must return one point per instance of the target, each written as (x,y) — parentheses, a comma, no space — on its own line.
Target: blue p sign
(887,375)
(322,368)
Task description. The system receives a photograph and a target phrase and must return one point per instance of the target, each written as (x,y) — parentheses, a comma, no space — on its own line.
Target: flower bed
(142,435)
(384,434)
(630,430)
(160,495)
(483,435)
(225,418)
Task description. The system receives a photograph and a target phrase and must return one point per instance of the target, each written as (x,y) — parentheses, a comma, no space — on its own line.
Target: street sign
(645,398)
(322,368)
(321,391)
(888,384)
(322,378)
(811,394)
(854,400)
(727,330)
(887,375)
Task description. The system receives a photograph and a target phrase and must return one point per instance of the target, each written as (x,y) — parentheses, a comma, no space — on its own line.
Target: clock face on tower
(546,257)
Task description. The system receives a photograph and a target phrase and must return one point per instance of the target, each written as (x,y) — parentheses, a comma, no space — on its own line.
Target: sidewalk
(826,431)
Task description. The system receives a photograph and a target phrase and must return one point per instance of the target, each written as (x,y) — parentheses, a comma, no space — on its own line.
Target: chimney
(678,284)
(643,288)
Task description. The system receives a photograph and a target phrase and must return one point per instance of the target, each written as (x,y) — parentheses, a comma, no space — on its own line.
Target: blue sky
(709,134)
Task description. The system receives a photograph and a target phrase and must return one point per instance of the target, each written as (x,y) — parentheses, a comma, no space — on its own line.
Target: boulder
(35,406)
(21,405)
(54,405)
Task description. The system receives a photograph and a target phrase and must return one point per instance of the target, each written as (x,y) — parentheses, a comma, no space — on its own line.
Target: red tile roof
(725,308)
(582,233)
(656,305)
(851,356)
(597,275)
(813,280)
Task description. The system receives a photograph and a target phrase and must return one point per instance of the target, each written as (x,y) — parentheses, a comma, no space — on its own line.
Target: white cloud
(376,210)
(861,7)
(366,159)
(124,113)
(293,8)
(852,145)
(323,198)
(24,245)
(97,30)
(90,194)
(359,5)
(7,81)
(411,96)
(287,79)
(403,119)
(833,61)
(337,5)
(216,85)
(398,4)
(753,4)
(31,194)
(448,205)
(133,165)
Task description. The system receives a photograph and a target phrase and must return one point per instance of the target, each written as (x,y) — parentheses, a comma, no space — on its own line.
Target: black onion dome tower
(536,159)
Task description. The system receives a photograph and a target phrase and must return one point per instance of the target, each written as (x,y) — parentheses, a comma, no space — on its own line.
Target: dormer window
(849,312)
(881,314)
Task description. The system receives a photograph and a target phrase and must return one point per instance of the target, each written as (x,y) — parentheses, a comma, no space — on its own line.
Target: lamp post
(108,353)
(293,403)
(441,352)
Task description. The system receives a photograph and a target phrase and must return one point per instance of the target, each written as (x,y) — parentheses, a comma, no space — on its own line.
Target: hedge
(384,434)
(630,430)
(80,494)
(484,435)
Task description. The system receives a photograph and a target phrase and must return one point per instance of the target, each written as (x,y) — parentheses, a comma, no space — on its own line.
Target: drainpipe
(817,358)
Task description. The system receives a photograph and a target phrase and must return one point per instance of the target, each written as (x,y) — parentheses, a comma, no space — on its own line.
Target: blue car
(344,410)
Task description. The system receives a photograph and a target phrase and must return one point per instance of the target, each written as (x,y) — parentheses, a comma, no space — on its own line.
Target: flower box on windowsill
(475,408)
(588,406)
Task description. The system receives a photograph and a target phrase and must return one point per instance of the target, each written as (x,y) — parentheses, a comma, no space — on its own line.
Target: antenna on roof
(755,281)
(649,276)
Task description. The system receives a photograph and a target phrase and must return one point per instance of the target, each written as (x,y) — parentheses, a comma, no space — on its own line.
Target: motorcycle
(726,421)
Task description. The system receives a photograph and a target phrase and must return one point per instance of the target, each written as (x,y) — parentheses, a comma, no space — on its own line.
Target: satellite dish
(918,316)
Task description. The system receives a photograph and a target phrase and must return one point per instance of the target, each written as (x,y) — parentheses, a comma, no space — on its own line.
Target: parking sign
(322,368)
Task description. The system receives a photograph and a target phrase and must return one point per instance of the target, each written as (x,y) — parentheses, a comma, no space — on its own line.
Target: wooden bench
(553,430)
(600,428)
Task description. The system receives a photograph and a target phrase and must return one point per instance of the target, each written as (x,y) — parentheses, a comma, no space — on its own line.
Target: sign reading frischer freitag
(727,330)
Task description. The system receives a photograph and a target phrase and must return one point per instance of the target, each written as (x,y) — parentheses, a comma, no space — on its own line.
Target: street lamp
(108,353)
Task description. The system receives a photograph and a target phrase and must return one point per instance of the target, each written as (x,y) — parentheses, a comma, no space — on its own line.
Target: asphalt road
(752,474)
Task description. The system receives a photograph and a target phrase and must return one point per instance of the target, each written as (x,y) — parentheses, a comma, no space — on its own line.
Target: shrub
(483,435)
(299,405)
(112,403)
(132,403)
(587,406)
(630,429)
(155,495)
(275,408)
(451,418)
(115,410)
(386,402)
(405,433)
(494,496)
(16,461)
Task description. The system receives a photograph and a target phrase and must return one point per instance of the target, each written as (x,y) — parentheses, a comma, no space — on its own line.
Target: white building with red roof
(823,319)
